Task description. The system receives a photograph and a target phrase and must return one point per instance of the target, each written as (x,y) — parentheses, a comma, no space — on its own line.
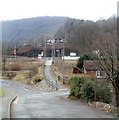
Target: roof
(91,65)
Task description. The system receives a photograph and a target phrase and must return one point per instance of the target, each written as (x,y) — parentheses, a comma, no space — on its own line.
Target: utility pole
(117,41)
(45,49)
(48,42)
(0,49)
(4,61)
(54,50)
(63,61)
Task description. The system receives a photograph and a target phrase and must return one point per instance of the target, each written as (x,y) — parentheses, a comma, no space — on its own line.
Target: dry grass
(22,66)
(30,77)
(28,72)
(65,71)
(67,68)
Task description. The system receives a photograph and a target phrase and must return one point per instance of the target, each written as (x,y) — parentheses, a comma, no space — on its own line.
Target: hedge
(90,89)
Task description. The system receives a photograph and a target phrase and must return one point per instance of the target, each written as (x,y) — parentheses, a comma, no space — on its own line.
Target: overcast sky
(82,9)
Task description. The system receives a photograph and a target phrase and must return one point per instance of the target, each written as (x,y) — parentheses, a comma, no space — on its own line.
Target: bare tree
(108,59)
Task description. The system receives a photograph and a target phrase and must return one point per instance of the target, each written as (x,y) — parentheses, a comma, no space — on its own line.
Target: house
(26,44)
(76,70)
(91,67)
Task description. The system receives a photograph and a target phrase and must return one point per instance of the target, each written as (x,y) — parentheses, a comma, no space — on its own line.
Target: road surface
(34,104)
(31,103)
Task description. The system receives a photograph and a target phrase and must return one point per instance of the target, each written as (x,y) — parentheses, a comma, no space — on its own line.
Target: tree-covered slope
(31,29)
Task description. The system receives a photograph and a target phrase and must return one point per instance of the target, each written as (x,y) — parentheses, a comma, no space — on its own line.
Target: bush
(103,92)
(15,67)
(33,72)
(88,92)
(89,89)
(37,80)
(83,57)
(22,66)
(10,75)
(81,87)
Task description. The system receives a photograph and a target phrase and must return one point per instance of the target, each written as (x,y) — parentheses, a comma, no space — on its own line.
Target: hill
(84,34)
(31,29)
(80,36)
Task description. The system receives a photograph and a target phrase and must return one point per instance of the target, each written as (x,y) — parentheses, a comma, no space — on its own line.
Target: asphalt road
(31,103)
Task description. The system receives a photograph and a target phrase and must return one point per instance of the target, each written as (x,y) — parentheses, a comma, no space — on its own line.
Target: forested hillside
(31,29)
(83,34)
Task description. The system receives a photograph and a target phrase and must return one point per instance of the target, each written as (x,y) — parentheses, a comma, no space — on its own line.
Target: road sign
(15,52)
(39,57)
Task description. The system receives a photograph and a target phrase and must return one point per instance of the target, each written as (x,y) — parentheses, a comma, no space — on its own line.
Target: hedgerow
(90,89)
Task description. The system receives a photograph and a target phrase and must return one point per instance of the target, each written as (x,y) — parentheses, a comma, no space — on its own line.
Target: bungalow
(91,67)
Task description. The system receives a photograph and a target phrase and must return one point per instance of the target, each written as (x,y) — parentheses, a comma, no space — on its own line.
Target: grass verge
(1,92)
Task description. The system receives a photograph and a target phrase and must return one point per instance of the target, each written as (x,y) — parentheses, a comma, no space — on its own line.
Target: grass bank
(1,92)
(26,71)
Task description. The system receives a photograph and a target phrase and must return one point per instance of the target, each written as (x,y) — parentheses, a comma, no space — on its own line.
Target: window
(100,74)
